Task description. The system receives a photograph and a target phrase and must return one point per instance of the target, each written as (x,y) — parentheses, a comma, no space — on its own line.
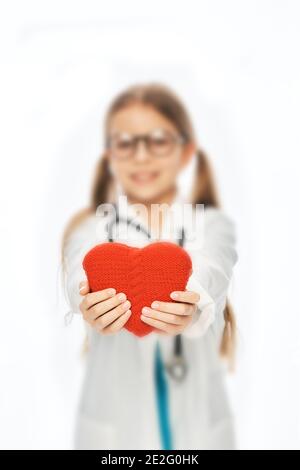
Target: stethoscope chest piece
(177,368)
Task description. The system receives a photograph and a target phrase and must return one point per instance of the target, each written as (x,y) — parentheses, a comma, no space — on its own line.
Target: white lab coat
(117,407)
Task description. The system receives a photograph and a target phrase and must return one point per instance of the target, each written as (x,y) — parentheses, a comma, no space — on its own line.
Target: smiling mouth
(144,177)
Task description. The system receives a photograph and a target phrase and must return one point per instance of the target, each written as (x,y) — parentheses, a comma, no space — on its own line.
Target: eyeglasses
(159,143)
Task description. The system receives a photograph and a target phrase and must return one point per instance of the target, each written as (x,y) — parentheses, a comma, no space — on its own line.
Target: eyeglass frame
(177,138)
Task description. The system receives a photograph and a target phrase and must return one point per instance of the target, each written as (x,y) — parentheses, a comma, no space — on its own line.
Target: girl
(128,400)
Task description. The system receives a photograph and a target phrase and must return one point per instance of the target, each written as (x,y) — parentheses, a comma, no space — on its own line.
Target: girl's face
(146,172)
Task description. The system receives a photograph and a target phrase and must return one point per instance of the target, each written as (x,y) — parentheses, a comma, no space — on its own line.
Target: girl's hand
(104,310)
(172,317)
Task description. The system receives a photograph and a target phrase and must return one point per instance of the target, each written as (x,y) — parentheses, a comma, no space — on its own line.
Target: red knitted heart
(143,274)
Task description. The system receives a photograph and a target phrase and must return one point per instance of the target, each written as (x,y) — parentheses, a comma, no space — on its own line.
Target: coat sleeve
(213,256)
(77,244)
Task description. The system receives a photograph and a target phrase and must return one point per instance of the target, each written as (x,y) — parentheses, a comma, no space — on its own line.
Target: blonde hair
(166,102)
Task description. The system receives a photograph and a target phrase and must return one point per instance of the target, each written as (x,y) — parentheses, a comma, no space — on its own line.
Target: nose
(141,151)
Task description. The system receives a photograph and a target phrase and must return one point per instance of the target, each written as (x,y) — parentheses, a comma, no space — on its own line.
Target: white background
(236,66)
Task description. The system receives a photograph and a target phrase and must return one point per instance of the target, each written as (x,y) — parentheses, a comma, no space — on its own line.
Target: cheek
(120,170)
(170,167)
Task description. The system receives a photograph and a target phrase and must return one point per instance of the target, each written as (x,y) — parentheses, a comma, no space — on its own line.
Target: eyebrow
(115,133)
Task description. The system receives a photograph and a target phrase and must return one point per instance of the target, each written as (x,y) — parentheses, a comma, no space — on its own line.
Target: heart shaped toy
(143,274)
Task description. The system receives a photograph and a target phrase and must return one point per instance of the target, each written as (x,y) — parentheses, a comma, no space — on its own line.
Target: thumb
(84,287)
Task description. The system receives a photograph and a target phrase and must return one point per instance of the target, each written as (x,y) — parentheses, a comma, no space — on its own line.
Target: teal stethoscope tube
(162,401)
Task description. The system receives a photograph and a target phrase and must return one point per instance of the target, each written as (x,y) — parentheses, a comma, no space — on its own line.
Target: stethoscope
(177,365)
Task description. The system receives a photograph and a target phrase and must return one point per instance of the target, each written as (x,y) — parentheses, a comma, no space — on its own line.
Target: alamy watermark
(130,222)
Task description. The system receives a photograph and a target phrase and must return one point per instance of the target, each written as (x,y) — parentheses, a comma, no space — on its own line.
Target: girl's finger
(84,288)
(117,324)
(94,298)
(160,332)
(105,306)
(165,317)
(176,308)
(187,296)
(106,319)
(171,329)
